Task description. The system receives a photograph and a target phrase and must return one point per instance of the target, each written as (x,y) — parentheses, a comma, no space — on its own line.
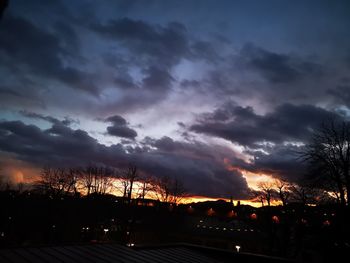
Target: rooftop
(102,253)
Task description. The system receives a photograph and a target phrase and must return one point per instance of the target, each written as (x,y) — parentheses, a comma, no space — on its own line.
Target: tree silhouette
(178,190)
(328,156)
(145,186)
(128,177)
(267,190)
(258,195)
(54,181)
(303,193)
(169,190)
(283,189)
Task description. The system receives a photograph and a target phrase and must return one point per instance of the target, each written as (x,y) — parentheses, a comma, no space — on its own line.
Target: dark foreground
(29,222)
(105,253)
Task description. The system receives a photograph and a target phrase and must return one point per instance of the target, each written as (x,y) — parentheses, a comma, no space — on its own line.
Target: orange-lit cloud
(253,179)
(17,171)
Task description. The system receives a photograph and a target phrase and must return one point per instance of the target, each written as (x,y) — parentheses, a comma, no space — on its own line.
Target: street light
(238,248)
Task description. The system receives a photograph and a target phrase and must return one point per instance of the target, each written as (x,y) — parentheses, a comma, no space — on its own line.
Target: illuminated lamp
(275,219)
(253,216)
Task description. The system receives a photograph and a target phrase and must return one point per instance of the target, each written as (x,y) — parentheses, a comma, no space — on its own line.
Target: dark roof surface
(116,253)
(102,253)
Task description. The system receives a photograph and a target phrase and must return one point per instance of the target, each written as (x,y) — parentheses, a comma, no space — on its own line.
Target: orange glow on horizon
(21,172)
(198,199)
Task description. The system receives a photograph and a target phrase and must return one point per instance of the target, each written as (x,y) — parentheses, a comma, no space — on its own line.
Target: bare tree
(128,177)
(132,175)
(258,196)
(125,183)
(169,190)
(267,190)
(303,193)
(162,188)
(56,181)
(145,186)
(328,155)
(283,190)
(178,190)
(95,179)
(71,177)
(102,180)
(86,179)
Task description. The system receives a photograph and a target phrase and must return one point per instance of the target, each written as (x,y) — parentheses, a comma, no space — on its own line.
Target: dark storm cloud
(167,144)
(269,77)
(157,79)
(275,67)
(273,139)
(54,8)
(163,45)
(341,93)
(66,121)
(190,83)
(58,145)
(69,39)
(117,120)
(152,49)
(242,125)
(201,177)
(196,162)
(62,146)
(125,81)
(30,49)
(282,161)
(8,91)
(14,95)
(205,50)
(154,87)
(120,127)
(121,131)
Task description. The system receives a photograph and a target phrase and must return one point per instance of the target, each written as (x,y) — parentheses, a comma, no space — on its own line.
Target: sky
(220,94)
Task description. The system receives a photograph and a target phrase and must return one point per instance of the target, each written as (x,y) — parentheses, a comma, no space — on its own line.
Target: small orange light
(275,219)
(253,216)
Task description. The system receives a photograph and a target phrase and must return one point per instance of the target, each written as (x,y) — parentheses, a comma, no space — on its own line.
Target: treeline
(328,156)
(327,179)
(284,192)
(102,180)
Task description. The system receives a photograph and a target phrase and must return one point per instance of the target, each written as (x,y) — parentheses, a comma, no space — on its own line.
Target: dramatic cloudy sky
(217,93)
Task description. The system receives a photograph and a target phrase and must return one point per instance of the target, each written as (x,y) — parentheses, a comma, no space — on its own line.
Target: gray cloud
(121,131)
(10,92)
(66,121)
(273,139)
(205,50)
(242,125)
(341,93)
(62,146)
(31,49)
(157,79)
(277,68)
(120,127)
(163,45)
(282,161)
